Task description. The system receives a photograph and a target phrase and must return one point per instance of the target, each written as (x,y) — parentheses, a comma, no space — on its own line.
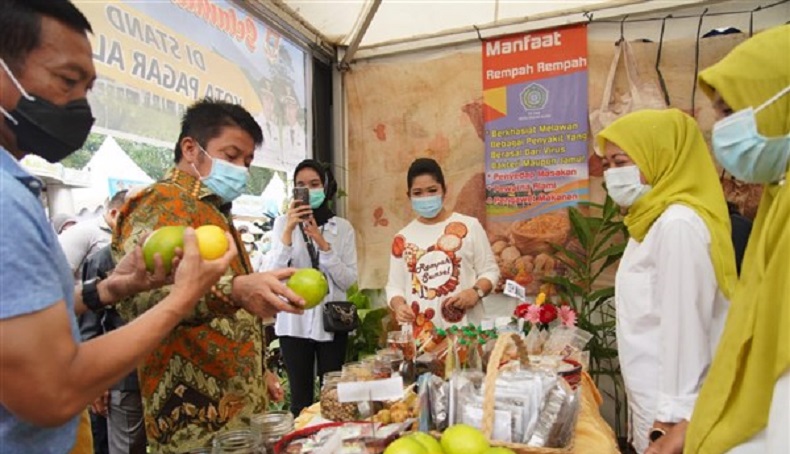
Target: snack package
(424,402)
(557,417)
(438,394)
(566,340)
(463,384)
(505,419)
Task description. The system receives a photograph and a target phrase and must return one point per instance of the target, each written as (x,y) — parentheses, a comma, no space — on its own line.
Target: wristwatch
(480,292)
(90,295)
(656,433)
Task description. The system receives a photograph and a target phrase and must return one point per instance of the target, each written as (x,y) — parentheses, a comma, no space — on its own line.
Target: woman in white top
(678,269)
(322,241)
(441,264)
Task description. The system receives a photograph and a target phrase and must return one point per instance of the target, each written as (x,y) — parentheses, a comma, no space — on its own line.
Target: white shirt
(83,239)
(430,263)
(670,315)
(339,265)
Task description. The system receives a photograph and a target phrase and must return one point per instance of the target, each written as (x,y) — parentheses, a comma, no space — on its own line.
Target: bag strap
(311,250)
(607,89)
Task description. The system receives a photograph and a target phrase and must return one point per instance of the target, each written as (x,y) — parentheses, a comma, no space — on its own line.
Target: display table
(593,434)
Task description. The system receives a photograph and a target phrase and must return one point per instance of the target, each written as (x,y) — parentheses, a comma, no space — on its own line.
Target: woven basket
(492,373)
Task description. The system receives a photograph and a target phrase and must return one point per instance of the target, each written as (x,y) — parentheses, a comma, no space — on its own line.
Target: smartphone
(302,195)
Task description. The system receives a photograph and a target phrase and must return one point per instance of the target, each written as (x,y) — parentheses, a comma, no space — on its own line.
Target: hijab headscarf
(754,350)
(668,147)
(323,213)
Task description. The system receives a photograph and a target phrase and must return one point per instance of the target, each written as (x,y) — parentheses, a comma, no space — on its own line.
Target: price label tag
(516,291)
(378,390)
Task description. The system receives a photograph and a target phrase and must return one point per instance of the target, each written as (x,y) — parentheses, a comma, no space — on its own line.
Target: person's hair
(20,26)
(425,166)
(323,171)
(205,119)
(117,200)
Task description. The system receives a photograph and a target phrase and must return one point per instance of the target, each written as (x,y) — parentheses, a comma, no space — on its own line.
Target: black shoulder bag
(338,316)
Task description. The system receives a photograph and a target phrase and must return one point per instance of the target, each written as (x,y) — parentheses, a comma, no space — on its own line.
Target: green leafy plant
(600,242)
(369,337)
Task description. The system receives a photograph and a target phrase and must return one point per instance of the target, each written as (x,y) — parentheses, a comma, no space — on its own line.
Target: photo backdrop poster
(536,133)
(154,59)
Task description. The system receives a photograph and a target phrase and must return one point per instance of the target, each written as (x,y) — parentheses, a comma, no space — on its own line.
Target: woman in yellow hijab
(744,405)
(678,268)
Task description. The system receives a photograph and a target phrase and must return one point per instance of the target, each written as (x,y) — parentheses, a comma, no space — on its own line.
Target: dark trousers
(99,431)
(301,356)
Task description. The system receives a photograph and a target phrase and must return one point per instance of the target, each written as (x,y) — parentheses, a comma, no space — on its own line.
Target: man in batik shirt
(207,375)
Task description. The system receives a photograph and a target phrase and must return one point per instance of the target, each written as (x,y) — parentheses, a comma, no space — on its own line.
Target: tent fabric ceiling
(399,20)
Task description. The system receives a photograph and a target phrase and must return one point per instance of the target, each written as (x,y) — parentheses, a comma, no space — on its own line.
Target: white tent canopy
(374,27)
(109,162)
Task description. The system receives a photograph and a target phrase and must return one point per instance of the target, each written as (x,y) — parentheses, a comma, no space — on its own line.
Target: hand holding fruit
(131,275)
(264,295)
(195,274)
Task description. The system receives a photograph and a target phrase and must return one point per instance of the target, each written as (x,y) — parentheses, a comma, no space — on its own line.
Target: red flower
(521,310)
(548,313)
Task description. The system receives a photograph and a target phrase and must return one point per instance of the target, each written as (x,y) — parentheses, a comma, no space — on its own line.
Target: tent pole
(363,28)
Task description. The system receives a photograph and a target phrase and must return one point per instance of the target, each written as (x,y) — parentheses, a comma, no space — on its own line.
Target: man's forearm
(103,361)
(107,295)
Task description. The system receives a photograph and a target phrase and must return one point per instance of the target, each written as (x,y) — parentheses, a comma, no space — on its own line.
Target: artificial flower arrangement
(536,318)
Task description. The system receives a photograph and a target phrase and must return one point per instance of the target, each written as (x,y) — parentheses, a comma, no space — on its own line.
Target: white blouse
(339,265)
(670,315)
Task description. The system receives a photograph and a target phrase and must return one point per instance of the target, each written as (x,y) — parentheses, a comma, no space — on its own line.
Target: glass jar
(392,356)
(357,371)
(240,441)
(331,408)
(271,427)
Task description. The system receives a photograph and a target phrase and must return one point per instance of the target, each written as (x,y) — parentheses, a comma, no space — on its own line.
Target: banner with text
(535,93)
(154,59)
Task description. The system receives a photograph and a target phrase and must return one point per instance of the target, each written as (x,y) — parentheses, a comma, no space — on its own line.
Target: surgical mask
(317,197)
(624,185)
(745,153)
(44,129)
(427,207)
(225,179)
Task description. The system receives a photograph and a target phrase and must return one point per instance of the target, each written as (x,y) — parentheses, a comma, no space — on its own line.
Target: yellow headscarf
(751,74)
(754,350)
(669,149)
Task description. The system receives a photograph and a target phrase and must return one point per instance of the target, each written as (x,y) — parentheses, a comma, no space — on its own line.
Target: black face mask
(44,129)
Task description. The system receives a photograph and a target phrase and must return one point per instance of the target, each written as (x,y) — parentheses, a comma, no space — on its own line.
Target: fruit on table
(405,445)
(212,241)
(310,284)
(463,439)
(165,241)
(428,442)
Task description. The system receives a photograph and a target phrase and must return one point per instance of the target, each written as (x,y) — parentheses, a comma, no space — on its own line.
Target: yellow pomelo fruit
(212,241)
(463,439)
(428,442)
(405,445)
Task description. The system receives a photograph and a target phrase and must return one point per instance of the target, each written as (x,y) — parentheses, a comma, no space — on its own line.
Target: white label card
(516,291)
(377,390)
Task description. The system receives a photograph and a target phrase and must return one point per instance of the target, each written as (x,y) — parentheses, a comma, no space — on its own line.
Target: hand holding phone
(301,194)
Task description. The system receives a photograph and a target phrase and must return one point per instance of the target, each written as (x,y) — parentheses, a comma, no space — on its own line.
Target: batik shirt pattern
(207,374)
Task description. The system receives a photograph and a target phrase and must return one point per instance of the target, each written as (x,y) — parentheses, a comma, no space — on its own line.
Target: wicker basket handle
(492,372)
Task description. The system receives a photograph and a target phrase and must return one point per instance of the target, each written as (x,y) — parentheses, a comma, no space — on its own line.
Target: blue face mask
(745,153)
(317,197)
(427,207)
(226,180)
